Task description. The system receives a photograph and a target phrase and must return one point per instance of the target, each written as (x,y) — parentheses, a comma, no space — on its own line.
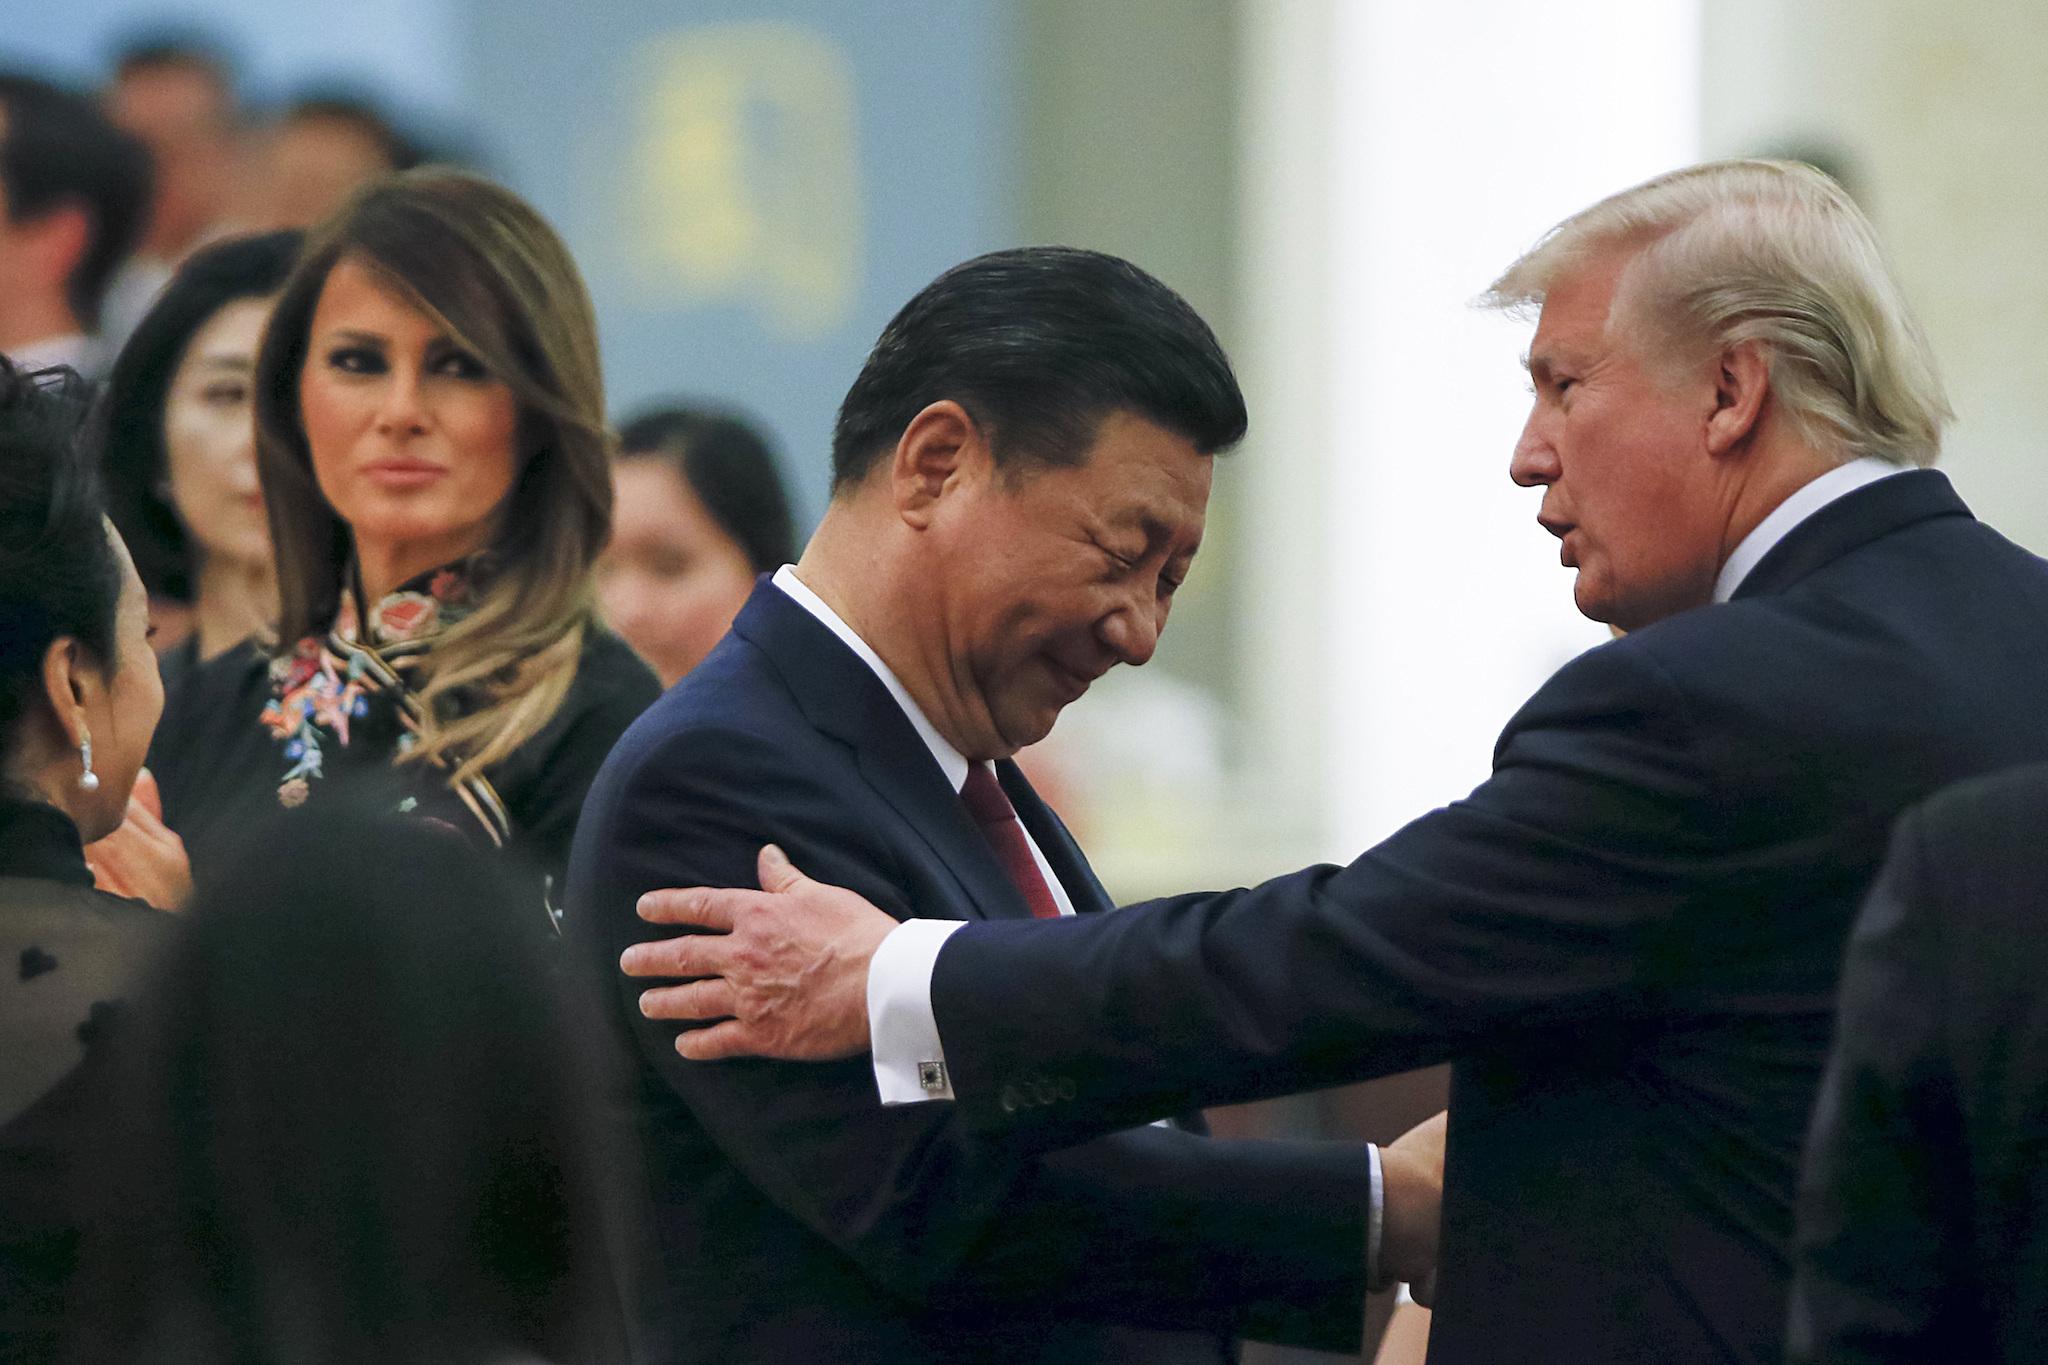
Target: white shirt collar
(1837,482)
(75,349)
(950,760)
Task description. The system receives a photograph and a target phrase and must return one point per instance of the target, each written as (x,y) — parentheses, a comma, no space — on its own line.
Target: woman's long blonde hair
(479,261)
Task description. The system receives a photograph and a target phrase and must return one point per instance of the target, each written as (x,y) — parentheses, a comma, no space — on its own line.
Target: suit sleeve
(1152,1228)
(1882,1194)
(1544,898)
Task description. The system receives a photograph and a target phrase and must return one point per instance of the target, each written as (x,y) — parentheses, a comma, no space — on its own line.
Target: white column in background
(1459,131)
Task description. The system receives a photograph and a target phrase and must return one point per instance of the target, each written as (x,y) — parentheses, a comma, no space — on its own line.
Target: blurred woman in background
(79,697)
(178,428)
(701,513)
(358,1123)
(435,463)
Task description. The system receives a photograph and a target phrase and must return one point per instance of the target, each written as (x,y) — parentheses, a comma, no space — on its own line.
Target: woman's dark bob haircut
(131,414)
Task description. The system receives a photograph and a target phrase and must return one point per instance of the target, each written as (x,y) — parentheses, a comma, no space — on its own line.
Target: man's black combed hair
(56,148)
(1040,344)
(59,573)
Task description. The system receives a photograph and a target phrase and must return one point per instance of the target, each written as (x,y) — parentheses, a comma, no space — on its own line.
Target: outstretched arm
(791,973)
(1555,894)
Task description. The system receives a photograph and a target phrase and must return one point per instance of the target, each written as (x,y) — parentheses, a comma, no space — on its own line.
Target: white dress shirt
(900,976)
(916,1070)
(1803,503)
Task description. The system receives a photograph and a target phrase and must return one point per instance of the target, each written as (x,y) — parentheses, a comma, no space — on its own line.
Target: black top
(1627,940)
(68,956)
(250,732)
(1923,1205)
(178,663)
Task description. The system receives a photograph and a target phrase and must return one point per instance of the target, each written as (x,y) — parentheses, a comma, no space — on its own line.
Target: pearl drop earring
(88,780)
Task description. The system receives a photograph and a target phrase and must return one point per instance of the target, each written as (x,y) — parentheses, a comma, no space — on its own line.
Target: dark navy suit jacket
(1627,939)
(801,1220)
(1923,1211)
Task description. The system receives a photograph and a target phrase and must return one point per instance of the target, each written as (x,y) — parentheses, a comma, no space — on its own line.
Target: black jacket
(1627,940)
(70,957)
(799,1219)
(1923,1211)
(219,763)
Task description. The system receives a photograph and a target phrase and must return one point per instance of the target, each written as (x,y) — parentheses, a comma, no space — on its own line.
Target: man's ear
(1742,383)
(941,448)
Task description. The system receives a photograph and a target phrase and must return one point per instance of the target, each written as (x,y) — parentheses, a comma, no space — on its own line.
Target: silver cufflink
(931,1075)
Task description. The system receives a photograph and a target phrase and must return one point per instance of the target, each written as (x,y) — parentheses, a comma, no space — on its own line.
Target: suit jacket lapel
(1069,864)
(841,695)
(910,781)
(1849,522)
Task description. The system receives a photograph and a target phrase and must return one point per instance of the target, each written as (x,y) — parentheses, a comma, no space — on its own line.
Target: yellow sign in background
(743,180)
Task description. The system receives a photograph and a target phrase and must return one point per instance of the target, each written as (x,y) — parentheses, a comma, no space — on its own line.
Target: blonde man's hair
(1770,252)
(478,260)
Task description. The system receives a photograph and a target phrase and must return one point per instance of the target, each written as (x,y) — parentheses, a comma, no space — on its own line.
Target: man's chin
(1592,605)
(1027,726)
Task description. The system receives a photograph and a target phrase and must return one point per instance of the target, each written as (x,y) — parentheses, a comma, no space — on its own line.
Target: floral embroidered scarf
(326,682)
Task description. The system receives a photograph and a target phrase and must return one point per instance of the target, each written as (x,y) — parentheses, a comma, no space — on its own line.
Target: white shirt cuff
(1375,1217)
(910,1062)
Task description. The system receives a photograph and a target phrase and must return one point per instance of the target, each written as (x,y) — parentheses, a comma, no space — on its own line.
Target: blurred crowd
(148,233)
(164,173)
(162,160)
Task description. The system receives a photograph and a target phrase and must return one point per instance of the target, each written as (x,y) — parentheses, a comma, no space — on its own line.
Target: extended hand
(785,968)
(143,858)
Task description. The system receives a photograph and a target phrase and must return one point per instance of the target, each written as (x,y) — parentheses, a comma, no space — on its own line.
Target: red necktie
(992,810)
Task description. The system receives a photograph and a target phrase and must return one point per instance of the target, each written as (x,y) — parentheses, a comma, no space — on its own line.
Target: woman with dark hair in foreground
(357,1123)
(79,697)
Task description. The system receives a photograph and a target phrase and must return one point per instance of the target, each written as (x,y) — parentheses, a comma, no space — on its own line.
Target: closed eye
(1122,563)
